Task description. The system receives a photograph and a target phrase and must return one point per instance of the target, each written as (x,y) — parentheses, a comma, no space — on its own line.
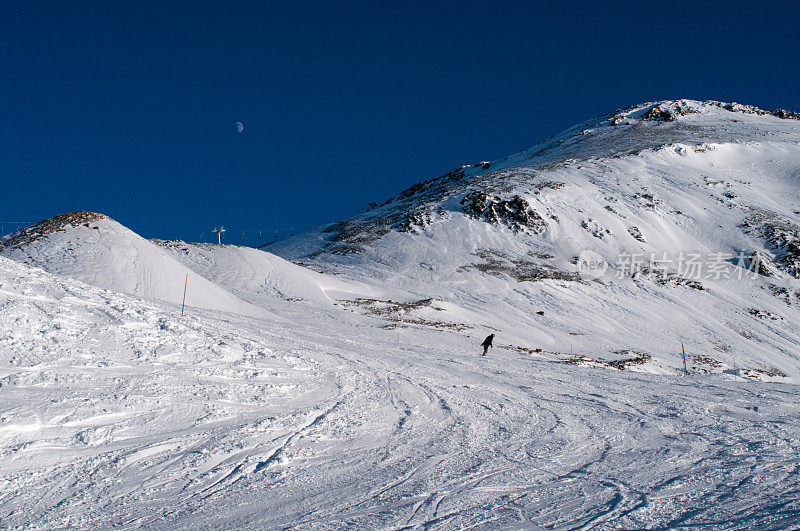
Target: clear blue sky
(129,108)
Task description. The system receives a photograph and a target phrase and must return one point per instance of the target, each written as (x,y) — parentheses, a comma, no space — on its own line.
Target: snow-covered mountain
(95,249)
(335,380)
(694,208)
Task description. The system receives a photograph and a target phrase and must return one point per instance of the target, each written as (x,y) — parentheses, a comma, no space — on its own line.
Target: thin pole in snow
(185,283)
(684,359)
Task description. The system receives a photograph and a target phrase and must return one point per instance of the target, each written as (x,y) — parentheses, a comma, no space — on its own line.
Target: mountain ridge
(628,132)
(95,249)
(678,180)
(503,247)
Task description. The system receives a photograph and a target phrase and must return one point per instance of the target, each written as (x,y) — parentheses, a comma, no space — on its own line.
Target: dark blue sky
(129,108)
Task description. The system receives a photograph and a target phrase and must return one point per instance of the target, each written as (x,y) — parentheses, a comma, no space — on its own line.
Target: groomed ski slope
(346,390)
(118,412)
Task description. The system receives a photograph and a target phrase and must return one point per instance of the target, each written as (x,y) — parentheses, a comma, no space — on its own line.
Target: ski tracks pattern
(136,419)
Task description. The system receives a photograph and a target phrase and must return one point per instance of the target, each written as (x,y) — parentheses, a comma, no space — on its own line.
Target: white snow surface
(260,277)
(347,390)
(117,412)
(110,256)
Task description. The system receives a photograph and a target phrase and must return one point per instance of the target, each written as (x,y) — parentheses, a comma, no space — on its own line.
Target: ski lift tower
(219,231)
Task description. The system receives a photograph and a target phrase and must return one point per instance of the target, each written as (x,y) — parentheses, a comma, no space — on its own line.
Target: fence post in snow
(185,283)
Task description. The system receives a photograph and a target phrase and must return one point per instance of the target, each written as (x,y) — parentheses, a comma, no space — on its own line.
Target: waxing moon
(239,127)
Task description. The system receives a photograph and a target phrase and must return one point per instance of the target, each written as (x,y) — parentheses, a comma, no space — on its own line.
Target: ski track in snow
(357,398)
(216,420)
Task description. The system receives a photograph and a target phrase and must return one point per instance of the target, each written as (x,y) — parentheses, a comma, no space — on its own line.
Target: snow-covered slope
(117,412)
(346,390)
(97,250)
(260,277)
(500,240)
(110,399)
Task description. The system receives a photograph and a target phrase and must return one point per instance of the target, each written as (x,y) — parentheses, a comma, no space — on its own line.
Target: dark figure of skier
(487,343)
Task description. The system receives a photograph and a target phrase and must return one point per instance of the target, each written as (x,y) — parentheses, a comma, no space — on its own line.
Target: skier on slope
(487,343)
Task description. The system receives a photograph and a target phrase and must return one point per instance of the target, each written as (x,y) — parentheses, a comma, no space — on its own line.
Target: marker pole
(685,372)
(185,283)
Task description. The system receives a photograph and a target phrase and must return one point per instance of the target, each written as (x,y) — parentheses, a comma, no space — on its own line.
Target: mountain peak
(509,190)
(49,226)
(672,110)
